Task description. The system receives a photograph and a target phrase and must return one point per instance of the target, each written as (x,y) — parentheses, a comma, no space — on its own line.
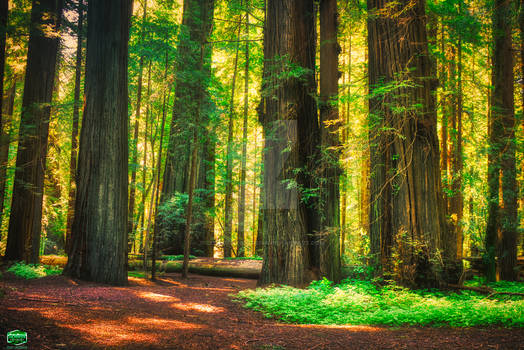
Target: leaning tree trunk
(23,241)
(289,117)
(502,212)
(407,216)
(330,200)
(76,122)
(99,231)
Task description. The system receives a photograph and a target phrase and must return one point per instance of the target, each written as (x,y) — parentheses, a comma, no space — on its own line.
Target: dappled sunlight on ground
(197,307)
(157,297)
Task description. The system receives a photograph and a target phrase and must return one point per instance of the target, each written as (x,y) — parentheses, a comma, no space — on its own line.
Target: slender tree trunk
(156,189)
(289,116)
(254,199)
(134,160)
(457,199)
(521,26)
(142,208)
(242,195)
(228,210)
(501,230)
(405,161)
(23,241)
(99,247)
(330,143)
(75,126)
(5,141)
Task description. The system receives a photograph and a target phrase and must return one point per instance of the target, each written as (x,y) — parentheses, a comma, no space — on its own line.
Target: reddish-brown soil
(196,313)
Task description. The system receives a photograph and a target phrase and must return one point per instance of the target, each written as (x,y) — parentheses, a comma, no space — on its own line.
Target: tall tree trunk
(242,195)
(76,122)
(501,230)
(5,141)
(134,160)
(292,134)
(330,143)
(196,28)
(456,206)
(142,208)
(99,246)
(23,239)
(405,161)
(228,210)
(521,26)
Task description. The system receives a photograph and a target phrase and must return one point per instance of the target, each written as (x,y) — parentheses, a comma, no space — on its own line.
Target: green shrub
(256,257)
(362,302)
(30,271)
(175,257)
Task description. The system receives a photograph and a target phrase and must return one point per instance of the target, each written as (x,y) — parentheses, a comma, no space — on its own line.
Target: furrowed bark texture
(23,241)
(99,229)
(406,215)
(288,115)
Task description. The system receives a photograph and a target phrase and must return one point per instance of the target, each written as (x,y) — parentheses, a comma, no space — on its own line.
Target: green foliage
(362,302)
(175,257)
(32,271)
(256,257)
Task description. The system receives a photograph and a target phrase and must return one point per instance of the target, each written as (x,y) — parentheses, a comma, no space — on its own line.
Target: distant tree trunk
(23,241)
(142,208)
(446,111)
(405,181)
(330,143)
(228,210)
(99,246)
(196,28)
(5,140)
(456,206)
(502,211)
(134,160)
(242,195)
(521,26)
(76,122)
(292,134)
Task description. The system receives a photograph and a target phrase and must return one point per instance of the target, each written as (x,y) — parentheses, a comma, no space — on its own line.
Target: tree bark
(242,195)
(23,241)
(329,236)
(99,247)
(407,219)
(292,135)
(228,210)
(75,126)
(134,160)
(501,230)
(5,141)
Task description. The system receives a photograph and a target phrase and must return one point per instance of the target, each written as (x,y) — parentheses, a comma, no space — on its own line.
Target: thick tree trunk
(288,115)
(75,126)
(407,216)
(501,231)
(330,200)
(99,231)
(23,239)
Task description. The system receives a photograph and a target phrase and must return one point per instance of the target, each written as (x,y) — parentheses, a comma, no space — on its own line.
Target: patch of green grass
(363,303)
(175,257)
(30,271)
(245,258)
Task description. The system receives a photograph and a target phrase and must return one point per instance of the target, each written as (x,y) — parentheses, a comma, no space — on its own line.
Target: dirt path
(197,313)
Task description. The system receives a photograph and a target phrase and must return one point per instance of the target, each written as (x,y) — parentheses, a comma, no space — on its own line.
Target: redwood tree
(23,241)
(289,116)
(99,230)
(407,217)
(502,226)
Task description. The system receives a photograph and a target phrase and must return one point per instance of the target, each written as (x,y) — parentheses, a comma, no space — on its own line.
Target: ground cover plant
(357,302)
(30,271)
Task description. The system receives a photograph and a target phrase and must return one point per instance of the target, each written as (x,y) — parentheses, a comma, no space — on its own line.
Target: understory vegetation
(357,302)
(31,271)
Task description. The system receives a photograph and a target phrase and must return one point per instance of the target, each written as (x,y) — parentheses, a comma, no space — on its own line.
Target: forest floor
(195,313)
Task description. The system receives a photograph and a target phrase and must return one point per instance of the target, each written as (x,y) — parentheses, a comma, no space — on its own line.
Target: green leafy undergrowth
(361,302)
(245,258)
(30,271)
(175,257)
